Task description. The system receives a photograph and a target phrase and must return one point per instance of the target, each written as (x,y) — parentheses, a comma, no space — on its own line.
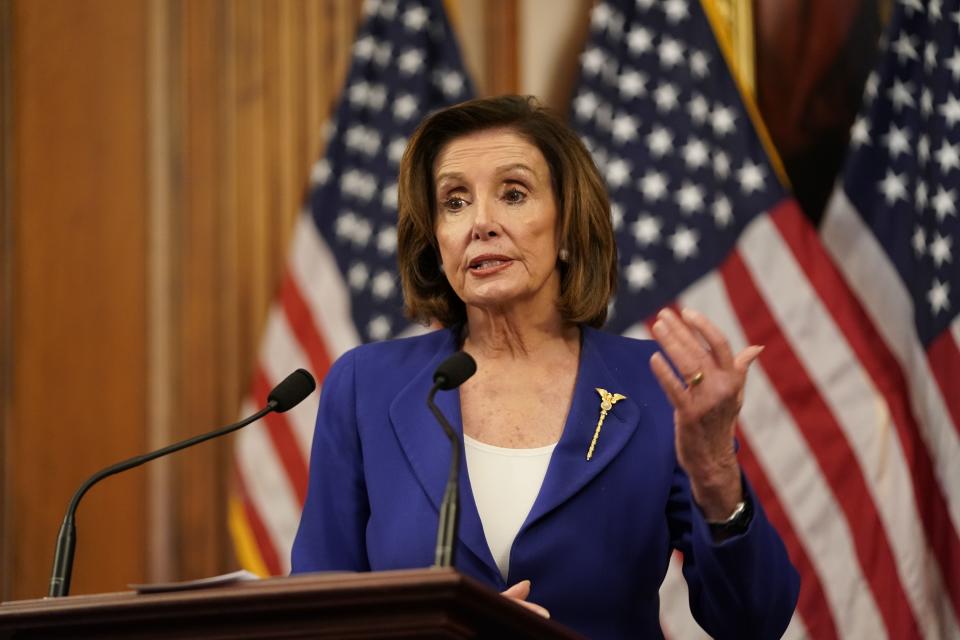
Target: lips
(488,263)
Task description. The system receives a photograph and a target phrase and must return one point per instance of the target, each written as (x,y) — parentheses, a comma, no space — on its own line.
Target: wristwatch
(736,524)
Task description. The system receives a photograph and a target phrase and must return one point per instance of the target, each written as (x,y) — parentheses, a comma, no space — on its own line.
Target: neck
(515,333)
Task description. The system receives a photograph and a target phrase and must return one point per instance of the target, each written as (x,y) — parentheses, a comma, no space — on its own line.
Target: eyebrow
(456,175)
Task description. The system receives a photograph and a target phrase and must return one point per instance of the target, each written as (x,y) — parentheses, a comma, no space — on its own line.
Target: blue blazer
(598,539)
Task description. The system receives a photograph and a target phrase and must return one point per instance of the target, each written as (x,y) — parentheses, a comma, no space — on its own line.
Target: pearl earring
(564,255)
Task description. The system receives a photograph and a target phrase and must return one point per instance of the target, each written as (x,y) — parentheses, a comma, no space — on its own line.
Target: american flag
(341,285)
(847,439)
(892,228)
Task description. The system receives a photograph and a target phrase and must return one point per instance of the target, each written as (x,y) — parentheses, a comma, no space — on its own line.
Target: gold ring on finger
(695,379)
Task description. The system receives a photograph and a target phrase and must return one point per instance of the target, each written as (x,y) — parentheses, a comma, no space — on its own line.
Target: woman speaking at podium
(589,457)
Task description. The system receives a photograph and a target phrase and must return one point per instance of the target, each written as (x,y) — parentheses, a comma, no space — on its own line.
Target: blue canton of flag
(664,122)
(904,172)
(405,65)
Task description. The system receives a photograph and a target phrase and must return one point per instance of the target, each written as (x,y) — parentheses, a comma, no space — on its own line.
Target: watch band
(736,524)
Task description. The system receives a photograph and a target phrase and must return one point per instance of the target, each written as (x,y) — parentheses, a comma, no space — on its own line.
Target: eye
(514,196)
(455,203)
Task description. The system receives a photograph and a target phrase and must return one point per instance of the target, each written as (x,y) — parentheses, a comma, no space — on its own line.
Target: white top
(505,484)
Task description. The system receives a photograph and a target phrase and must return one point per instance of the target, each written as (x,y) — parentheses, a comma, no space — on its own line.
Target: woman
(582,473)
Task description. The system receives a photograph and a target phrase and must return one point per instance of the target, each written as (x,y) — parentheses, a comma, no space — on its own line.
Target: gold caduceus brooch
(607,400)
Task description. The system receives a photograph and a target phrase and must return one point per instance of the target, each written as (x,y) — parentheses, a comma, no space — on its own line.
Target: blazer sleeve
(743,587)
(332,528)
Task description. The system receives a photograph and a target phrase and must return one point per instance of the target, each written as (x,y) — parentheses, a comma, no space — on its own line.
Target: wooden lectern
(420,603)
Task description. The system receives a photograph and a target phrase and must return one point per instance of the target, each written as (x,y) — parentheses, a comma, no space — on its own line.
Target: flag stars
(953,64)
(872,86)
(405,107)
(666,97)
(617,172)
(675,11)
(905,48)
(950,110)
(395,150)
(923,149)
(600,16)
(944,203)
(940,249)
(698,109)
(383,285)
(722,212)
(450,82)
(860,132)
(351,228)
(593,60)
(695,153)
(912,5)
(939,296)
(639,40)
(897,141)
(640,274)
(653,185)
(660,142)
(415,18)
(683,243)
(379,328)
(320,172)
(670,52)
(919,241)
(893,188)
(364,47)
(699,64)
(690,198)
(929,56)
(920,194)
(926,102)
(631,84)
(947,157)
(410,62)
(721,165)
(647,229)
(585,105)
(751,177)
(935,10)
(624,128)
(901,95)
(357,276)
(722,121)
(389,197)
(387,241)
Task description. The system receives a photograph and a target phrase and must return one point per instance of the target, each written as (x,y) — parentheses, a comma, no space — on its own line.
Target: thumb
(746,357)
(520,591)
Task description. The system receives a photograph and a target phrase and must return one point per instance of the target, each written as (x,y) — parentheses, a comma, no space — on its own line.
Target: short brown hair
(588,278)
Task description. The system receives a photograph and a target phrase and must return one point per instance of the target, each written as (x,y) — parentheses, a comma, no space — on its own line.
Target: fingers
(679,343)
(717,342)
(519,593)
(667,379)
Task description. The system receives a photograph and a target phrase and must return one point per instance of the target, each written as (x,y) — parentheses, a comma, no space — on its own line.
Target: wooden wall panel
(78,400)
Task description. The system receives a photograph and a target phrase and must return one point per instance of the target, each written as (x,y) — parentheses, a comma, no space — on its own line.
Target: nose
(484,221)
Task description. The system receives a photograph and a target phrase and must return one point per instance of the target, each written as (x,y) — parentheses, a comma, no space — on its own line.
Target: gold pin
(607,400)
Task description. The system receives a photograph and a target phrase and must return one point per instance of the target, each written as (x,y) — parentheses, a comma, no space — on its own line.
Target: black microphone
(451,373)
(286,395)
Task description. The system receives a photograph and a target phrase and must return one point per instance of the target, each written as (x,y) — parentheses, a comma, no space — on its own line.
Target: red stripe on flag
(303,327)
(812,604)
(283,440)
(826,439)
(885,372)
(944,358)
(268,552)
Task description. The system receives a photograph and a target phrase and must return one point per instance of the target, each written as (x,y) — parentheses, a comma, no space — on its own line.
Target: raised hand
(706,402)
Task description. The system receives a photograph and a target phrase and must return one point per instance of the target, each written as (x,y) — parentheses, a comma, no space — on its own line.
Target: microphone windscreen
(454,371)
(292,390)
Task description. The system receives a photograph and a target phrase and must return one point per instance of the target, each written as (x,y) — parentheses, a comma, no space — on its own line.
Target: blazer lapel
(569,470)
(427,449)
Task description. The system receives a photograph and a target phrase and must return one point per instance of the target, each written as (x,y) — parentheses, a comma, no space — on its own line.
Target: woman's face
(496,221)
